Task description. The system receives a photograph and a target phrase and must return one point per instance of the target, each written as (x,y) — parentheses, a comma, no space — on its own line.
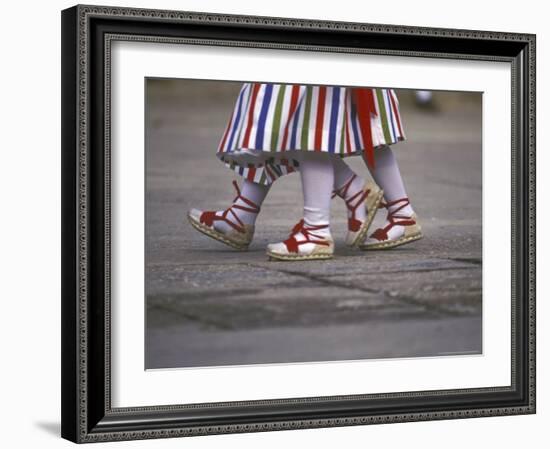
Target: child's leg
(317,175)
(362,201)
(401,224)
(348,185)
(311,238)
(388,176)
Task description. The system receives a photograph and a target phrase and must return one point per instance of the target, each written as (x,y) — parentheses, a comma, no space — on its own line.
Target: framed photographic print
(275,224)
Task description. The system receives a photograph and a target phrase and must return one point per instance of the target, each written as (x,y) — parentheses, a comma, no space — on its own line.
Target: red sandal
(241,234)
(369,198)
(412,231)
(319,247)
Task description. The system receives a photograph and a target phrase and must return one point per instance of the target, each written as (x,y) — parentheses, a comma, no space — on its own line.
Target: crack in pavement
(350,286)
(266,266)
(190,317)
(319,279)
(471,260)
(205,293)
(419,270)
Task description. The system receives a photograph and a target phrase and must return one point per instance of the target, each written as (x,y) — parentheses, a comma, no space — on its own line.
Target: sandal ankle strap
(358,198)
(208,217)
(395,213)
(310,237)
(394,219)
(253,207)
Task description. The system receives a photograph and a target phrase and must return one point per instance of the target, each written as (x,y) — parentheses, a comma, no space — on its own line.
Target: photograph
(291,223)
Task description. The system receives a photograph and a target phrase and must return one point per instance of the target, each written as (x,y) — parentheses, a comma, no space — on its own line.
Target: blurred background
(208,305)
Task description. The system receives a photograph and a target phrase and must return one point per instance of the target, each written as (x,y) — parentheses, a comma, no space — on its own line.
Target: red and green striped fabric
(271,121)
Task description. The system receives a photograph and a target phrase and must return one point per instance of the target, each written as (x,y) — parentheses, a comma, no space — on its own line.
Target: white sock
(317,174)
(342,175)
(251,191)
(387,175)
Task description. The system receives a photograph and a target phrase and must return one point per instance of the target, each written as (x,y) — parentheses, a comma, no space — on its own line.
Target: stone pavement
(210,305)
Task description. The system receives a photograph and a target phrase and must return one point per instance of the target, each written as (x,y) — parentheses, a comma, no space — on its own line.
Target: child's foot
(230,226)
(362,202)
(401,227)
(306,242)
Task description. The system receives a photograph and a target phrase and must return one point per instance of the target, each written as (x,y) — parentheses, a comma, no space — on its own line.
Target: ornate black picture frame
(87,33)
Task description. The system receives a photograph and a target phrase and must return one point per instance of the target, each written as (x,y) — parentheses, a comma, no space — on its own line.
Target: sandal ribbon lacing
(208,217)
(310,237)
(353,223)
(393,218)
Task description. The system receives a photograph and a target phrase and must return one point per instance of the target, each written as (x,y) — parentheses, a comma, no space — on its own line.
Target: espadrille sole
(371,213)
(206,230)
(298,257)
(392,243)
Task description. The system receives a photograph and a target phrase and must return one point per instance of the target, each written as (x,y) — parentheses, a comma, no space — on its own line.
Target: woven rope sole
(362,234)
(392,243)
(216,235)
(296,258)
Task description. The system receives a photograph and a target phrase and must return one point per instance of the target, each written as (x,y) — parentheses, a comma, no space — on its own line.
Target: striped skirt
(272,124)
